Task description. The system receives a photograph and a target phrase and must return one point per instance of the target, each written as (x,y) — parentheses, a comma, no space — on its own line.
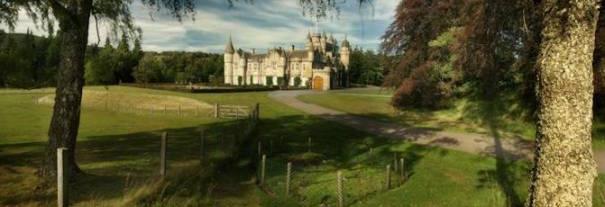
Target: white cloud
(261,25)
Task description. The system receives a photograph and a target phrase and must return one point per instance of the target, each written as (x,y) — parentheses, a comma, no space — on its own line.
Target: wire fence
(313,185)
(245,129)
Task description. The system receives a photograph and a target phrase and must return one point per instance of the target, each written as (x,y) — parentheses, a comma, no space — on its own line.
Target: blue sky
(260,25)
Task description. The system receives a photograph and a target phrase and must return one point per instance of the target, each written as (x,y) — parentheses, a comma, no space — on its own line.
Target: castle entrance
(318,83)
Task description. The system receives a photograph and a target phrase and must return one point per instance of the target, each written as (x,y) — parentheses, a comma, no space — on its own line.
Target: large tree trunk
(73,20)
(564,168)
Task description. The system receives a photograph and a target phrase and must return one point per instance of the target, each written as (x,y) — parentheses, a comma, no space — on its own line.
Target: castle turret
(323,41)
(228,57)
(309,44)
(315,39)
(331,40)
(345,54)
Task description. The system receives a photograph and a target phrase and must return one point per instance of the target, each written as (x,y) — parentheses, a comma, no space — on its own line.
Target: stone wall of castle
(278,66)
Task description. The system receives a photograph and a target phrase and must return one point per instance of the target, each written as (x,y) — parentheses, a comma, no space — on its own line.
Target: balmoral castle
(321,65)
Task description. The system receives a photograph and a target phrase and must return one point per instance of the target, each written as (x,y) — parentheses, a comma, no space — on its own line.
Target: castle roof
(257,56)
(299,54)
(229,47)
(345,43)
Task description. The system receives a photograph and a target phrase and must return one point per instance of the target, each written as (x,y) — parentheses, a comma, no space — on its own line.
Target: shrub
(297,81)
(269,81)
(425,88)
(280,81)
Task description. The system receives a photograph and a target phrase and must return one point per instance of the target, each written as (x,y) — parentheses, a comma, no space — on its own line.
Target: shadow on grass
(117,163)
(340,148)
(113,164)
(506,174)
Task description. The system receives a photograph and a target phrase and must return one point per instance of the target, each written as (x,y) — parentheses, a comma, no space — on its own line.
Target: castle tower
(315,39)
(323,41)
(228,69)
(309,44)
(345,54)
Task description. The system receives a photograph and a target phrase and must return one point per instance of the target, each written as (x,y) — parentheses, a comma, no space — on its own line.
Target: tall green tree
(102,65)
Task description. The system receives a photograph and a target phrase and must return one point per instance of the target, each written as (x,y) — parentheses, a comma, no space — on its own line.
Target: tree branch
(61,11)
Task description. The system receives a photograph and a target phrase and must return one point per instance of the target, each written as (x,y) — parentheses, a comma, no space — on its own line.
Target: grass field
(118,151)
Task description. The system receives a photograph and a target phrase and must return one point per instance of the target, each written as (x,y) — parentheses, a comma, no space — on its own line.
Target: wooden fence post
(402,170)
(163,155)
(288,177)
(388,177)
(216,110)
(179,110)
(339,189)
(395,163)
(62,178)
(262,170)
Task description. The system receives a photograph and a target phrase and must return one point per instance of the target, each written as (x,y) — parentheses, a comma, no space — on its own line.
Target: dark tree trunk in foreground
(564,168)
(73,18)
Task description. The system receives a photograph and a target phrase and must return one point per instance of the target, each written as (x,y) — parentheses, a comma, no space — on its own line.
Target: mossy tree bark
(73,18)
(564,168)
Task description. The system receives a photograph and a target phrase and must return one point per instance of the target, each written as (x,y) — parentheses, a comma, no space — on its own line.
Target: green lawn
(436,177)
(118,151)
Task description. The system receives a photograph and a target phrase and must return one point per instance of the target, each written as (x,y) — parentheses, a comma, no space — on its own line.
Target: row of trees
(180,67)
(366,67)
(28,61)
(109,65)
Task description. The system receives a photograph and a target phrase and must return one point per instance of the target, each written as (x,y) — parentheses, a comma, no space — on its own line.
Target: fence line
(233,111)
(248,123)
(363,182)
